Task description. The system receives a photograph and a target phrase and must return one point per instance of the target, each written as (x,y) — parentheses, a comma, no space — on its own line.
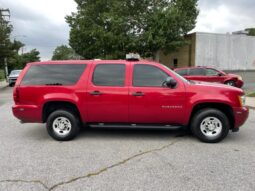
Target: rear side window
(148,76)
(183,72)
(109,75)
(53,74)
(197,72)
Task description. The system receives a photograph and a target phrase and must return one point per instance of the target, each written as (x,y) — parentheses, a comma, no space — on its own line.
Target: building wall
(225,51)
(185,56)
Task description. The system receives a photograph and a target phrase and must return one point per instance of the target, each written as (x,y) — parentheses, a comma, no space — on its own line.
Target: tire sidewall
(200,116)
(73,120)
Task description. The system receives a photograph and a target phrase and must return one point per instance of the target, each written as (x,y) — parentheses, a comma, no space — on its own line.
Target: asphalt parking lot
(121,159)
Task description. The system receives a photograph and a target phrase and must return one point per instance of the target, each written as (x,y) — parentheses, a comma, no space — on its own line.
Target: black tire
(70,118)
(199,121)
(231,83)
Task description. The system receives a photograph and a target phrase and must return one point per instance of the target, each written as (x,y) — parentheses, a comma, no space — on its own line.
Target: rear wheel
(63,125)
(210,125)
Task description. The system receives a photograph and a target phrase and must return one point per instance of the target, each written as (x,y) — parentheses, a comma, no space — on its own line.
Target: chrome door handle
(95,93)
(138,94)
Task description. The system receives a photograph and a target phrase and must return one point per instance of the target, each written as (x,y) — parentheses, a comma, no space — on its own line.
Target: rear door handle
(138,94)
(95,93)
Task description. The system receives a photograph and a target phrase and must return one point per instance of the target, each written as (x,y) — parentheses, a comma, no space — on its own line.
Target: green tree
(64,52)
(19,61)
(112,28)
(251,31)
(5,43)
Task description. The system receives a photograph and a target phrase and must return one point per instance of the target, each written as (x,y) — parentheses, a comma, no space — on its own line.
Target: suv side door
(150,100)
(107,93)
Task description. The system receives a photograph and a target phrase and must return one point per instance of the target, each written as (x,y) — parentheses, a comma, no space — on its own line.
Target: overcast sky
(40,24)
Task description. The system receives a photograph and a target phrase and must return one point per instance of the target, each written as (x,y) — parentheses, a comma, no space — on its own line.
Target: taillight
(16,94)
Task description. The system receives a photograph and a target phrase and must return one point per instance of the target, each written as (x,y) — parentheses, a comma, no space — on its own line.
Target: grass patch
(251,94)
(2,77)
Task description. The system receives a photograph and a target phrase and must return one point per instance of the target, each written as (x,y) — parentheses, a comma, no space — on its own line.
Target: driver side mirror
(170,82)
(220,74)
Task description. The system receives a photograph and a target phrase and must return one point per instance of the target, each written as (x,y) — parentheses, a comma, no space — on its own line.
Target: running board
(134,126)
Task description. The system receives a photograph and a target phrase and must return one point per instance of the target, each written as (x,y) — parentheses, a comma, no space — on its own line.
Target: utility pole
(5,17)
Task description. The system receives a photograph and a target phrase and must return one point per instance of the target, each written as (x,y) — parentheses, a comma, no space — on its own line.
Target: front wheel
(63,125)
(210,125)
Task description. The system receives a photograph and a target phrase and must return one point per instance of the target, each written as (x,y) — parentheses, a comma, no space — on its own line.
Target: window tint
(148,76)
(109,75)
(197,72)
(211,72)
(53,74)
(183,72)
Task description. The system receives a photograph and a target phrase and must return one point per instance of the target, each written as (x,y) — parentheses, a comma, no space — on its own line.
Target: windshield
(15,72)
(178,75)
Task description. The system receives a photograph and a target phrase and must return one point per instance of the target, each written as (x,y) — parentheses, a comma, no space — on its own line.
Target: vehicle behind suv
(67,95)
(12,78)
(209,74)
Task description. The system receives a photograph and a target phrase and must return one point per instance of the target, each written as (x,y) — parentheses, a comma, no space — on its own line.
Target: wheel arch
(52,106)
(223,107)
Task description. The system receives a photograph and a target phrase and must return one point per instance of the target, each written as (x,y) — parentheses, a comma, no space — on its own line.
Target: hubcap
(211,127)
(62,126)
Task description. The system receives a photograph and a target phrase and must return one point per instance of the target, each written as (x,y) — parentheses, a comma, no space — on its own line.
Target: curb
(251,107)
(3,86)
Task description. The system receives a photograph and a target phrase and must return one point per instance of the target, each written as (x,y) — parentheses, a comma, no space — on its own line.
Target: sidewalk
(3,84)
(250,102)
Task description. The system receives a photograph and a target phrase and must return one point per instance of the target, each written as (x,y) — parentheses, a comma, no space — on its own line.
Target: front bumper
(12,80)
(239,83)
(241,114)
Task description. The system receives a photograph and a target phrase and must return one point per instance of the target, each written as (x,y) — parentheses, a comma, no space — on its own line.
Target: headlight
(242,100)
(240,78)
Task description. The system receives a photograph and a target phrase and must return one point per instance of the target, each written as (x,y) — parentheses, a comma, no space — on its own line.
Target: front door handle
(138,94)
(95,93)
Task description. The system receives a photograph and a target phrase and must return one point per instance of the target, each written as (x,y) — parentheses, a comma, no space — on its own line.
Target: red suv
(67,94)
(208,74)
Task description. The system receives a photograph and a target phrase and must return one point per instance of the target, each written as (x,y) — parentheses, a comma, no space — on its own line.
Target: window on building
(148,76)
(175,63)
(109,75)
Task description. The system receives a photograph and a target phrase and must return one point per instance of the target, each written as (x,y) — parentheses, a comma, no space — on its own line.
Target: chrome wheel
(62,126)
(211,127)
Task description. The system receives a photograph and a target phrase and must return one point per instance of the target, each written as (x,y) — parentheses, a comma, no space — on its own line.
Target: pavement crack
(26,181)
(100,171)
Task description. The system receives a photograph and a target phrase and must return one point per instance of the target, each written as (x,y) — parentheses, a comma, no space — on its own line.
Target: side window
(109,75)
(53,74)
(183,72)
(197,72)
(212,72)
(148,76)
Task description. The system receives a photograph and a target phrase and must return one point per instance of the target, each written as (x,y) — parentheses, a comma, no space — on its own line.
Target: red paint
(156,105)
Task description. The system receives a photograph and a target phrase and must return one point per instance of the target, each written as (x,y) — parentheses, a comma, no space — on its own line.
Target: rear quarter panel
(35,96)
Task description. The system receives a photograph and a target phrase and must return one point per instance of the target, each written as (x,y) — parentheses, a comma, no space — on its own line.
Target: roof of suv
(89,61)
